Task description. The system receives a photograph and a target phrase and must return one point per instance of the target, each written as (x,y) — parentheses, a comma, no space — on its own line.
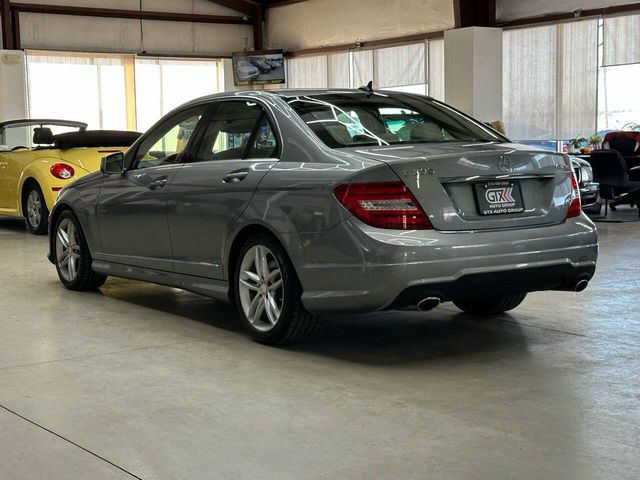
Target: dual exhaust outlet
(429,303)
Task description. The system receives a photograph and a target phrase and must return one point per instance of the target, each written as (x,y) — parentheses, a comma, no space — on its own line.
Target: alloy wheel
(34,209)
(67,250)
(260,288)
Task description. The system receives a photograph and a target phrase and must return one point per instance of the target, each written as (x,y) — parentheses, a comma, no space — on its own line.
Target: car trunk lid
(481,186)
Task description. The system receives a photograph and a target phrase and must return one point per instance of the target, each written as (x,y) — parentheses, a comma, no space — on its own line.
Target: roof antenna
(368,89)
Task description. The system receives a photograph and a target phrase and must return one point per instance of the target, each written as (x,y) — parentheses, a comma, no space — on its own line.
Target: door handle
(159,183)
(235,176)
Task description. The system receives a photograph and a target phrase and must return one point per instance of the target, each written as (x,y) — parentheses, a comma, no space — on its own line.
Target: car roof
(298,92)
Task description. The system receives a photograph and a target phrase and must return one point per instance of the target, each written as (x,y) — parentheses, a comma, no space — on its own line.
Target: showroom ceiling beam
(258,24)
(128,14)
(7,26)
(474,13)
(572,15)
(256,11)
(281,3)
(241,6)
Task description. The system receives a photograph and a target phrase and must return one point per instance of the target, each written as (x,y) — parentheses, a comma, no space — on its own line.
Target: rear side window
(237,130)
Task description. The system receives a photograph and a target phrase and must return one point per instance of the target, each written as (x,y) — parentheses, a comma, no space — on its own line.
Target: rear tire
(267,294)
(35,210)
(490,306)
(72,257)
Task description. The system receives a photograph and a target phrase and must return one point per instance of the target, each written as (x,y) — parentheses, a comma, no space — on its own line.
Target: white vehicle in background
(246,71)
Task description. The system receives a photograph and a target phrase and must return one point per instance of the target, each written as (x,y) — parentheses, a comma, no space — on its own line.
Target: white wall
(59,32)
(12,85)
(317,23)
(514,9)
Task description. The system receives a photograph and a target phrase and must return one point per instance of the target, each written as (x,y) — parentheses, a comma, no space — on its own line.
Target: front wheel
(35,209)
(72,256)
(490,306)
(267,294)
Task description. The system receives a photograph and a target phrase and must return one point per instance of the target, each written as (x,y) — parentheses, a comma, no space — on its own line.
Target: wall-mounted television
(258,67)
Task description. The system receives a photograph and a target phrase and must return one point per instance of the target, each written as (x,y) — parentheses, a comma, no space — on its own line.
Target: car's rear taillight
(575,206)
(62,171)
(383,205)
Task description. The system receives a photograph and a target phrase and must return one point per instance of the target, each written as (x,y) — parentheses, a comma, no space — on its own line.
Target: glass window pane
(228,133)
(64,91)
(162,85)
(164,145)
(265,145)
(76,86)
(618,105)
(113,97)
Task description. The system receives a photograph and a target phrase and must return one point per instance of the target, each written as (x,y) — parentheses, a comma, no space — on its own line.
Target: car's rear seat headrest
(426,131)
(43,136)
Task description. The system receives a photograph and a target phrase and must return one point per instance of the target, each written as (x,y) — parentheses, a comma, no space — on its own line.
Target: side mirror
(112,164)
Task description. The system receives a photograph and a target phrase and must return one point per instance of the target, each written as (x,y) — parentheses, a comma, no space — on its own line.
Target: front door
(235,151)
(132,209)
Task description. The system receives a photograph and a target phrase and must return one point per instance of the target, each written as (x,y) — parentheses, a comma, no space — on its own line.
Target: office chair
(610,171)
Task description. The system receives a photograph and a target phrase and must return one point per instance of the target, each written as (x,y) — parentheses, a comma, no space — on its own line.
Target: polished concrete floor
(142,381)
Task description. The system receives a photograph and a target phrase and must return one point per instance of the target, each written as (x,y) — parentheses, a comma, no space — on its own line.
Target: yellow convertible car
(35,164)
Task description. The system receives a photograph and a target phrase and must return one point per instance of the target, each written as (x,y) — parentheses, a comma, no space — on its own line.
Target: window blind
(621,42)
(436,68)
(578,79)
(529,82)
(399,66)
(338,70)
(362,68)
(307,72)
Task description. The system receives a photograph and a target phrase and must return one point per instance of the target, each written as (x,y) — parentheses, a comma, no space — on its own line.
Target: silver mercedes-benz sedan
(294,204)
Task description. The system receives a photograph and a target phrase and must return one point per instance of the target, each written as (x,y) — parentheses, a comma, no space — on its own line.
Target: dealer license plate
(499,197)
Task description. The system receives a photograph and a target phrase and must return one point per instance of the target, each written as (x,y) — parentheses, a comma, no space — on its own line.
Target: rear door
(235,150)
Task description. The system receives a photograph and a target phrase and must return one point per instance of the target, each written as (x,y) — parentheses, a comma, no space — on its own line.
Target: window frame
(198,135)
(185,155)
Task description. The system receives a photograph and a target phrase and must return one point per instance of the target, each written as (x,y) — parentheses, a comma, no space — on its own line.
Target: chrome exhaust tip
(581,285)
(428,303)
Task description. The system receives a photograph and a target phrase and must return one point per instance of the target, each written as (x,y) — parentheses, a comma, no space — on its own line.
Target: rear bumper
(553,277)
(589,194)
(356,268)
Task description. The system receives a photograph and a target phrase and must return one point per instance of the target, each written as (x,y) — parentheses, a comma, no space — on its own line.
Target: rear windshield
(358,119)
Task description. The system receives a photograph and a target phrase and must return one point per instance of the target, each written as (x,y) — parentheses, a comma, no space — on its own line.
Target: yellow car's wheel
(35,209)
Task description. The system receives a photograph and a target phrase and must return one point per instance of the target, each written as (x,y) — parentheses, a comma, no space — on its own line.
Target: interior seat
(43,136)
(426,131)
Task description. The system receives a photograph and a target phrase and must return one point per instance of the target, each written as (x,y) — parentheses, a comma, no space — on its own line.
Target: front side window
(358,119)
(237,130)
(168,142)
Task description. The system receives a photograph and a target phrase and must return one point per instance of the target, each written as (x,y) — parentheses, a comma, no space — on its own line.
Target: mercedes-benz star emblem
(504,164)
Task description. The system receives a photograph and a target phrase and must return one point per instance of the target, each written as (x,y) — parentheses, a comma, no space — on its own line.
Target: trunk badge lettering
(416,172)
